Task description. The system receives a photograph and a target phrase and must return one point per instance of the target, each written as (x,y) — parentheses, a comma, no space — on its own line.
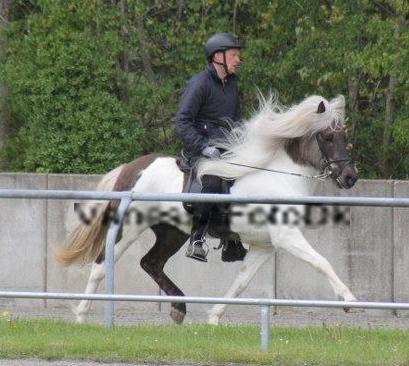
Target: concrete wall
(370,254)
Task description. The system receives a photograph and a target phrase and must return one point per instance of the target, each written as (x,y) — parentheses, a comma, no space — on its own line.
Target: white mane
(256,142)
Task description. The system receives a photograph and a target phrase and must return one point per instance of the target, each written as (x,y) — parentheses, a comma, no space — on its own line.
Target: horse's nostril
(350,180)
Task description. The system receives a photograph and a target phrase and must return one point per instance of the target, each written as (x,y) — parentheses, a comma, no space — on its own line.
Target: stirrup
(190,251)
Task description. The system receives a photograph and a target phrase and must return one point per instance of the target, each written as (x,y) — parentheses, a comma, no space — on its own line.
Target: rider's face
(232,59)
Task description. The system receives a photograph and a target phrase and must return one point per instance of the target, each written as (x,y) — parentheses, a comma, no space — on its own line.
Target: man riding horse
(209,106)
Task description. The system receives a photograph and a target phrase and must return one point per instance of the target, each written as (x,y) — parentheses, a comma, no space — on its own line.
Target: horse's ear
(321,107)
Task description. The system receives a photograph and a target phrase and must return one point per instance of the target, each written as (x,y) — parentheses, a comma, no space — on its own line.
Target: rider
(210,99)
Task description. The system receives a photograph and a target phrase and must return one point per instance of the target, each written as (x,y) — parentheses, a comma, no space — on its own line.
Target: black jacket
(205,106)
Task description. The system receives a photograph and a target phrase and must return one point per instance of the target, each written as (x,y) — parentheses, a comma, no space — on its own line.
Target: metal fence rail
(126,199)
(207,300)
(208,197)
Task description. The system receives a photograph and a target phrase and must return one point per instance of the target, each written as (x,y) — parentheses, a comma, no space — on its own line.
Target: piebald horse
(304,140)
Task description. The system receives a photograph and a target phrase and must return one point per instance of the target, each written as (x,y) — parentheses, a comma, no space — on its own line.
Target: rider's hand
(211,152)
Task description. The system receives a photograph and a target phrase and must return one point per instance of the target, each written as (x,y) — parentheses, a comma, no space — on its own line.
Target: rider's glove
(211,152)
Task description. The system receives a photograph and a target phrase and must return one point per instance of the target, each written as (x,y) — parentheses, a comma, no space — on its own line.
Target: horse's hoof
(177,315)
(213,320)
(353,310)
(80,319)
(79,316)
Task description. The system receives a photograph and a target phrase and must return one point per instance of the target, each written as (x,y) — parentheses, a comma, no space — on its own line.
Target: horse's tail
(85,243)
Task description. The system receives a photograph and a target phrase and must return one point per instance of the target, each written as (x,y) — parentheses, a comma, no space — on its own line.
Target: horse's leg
(96,276)
(169,240)
(253,260)
(294,242)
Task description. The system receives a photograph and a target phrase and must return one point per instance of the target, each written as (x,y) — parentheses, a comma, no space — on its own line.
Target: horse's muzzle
(348,177)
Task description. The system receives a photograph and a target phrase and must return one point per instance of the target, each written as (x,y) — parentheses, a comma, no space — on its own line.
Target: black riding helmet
(220,42)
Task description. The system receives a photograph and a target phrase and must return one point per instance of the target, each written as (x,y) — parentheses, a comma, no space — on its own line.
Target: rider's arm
(186,125)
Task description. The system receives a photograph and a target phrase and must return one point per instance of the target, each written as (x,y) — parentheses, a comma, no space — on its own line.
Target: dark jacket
(205,106)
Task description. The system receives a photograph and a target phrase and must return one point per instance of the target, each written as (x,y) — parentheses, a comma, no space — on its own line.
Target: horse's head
(335,157)
(326,151)
(335,160)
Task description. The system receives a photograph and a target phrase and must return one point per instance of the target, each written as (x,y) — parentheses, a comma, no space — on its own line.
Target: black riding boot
(233,249)
(197,248)
(201,217)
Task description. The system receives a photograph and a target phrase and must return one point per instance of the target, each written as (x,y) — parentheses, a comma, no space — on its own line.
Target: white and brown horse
(304,139)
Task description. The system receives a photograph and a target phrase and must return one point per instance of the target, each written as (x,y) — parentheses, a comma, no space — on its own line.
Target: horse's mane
(257,140)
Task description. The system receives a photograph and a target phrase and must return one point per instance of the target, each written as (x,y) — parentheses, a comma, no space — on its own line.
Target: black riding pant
(210,184)
(203,210)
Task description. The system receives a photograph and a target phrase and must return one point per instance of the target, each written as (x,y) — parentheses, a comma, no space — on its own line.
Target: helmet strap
(224,64)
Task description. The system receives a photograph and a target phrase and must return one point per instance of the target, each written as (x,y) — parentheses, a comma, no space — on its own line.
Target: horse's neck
(279,184)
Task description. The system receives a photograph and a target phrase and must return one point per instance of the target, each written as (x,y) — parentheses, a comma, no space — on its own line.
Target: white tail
(85,243)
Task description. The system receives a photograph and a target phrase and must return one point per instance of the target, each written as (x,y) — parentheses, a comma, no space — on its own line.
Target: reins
(320,176)
(325,165)
(326,169)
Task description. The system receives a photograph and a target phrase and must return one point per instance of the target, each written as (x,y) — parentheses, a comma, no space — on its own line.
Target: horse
(277,152)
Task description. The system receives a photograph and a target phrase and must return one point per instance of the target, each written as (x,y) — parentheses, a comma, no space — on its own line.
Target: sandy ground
(282,317)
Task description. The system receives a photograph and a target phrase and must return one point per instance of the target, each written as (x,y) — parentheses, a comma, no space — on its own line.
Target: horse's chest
(249,221)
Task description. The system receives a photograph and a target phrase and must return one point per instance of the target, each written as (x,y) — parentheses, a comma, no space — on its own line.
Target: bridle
(325,166)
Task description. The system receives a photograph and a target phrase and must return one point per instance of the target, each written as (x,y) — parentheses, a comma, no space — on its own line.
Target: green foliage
(64,95)
(93,84)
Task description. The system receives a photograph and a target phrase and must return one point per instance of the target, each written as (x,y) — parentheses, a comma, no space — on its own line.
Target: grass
(203,344)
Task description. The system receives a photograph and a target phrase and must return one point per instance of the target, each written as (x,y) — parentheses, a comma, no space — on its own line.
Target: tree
(64,94)
(4,115)
(83,73)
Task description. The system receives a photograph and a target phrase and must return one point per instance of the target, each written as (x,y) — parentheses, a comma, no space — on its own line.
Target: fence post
(265,327)
(109,256)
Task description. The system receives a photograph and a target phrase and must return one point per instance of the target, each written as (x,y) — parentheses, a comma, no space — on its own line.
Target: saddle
(190,182)
(219,225)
